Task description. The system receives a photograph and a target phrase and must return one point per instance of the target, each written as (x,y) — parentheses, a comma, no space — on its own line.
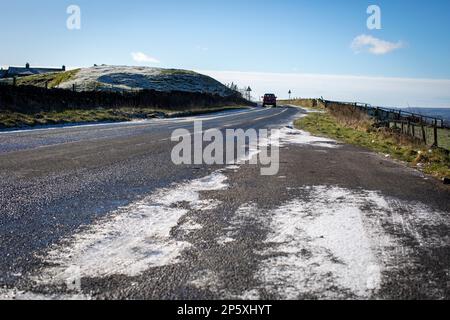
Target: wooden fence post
(424,135)
(413,130)
(435,130)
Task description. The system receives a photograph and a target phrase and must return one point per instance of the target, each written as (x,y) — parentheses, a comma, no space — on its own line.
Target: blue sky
(245,36)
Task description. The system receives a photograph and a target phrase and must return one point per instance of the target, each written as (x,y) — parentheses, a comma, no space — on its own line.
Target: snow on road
(330,243)
(133,239)
(320,245)
(289,135)
(326,242)
(18,295)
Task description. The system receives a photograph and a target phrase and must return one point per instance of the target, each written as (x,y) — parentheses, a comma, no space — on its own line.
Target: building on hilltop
(3,73)
(27,71)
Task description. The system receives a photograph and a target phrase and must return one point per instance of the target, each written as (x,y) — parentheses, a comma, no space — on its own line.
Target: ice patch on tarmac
(205,205)
(223,240)
(332,242)
(190,225)
(286,136)
(133,239)
(321,244)
(289,135)
(205,280)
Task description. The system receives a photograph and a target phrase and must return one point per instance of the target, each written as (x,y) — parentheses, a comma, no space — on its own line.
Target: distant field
(443,113)
(443,137)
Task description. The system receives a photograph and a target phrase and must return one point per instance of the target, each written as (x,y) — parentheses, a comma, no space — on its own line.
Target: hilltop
(112,93)
(119,78)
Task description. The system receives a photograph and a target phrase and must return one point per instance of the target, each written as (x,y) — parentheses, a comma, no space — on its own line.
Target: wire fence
(432,131)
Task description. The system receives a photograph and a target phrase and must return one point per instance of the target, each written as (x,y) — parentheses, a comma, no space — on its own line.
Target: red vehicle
(269,99)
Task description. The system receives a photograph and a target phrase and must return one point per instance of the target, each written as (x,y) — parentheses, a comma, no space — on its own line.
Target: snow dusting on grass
(137,78)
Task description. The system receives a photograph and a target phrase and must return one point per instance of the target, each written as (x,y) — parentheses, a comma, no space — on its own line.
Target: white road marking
(127,124)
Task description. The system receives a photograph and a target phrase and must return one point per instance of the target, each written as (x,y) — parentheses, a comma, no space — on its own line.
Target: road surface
(101,212)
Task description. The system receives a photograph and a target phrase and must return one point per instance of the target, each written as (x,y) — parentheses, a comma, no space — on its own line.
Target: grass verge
(53,79)
(11,120)
(305,103)
(435,162)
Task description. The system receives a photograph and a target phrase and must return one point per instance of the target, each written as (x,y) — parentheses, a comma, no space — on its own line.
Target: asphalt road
(101,212)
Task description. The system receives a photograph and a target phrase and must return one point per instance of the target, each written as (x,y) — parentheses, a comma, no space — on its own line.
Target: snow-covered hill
(137,78)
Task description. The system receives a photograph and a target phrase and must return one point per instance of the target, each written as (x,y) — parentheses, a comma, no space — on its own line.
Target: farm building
(27,71)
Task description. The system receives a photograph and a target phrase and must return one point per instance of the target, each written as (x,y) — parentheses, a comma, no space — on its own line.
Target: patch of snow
(285,136)
(205,205)
(13,294)
(249,155)
(189,192)
(289,135)
(249,295)
(321,243)
(191,225)
(245,214)
(210,280)
(205,280)
(223,240)
(133,239)
(331,244)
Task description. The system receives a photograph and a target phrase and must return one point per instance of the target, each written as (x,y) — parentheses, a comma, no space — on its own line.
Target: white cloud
(141,57)
(381,91)
(202,48)
(374,45)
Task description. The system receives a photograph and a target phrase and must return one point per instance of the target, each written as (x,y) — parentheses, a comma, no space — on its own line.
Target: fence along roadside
(430,130)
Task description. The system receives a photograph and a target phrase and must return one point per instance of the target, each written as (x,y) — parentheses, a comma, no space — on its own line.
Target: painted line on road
(128,124)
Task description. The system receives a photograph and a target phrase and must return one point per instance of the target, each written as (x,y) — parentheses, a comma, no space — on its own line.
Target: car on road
(269,99)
